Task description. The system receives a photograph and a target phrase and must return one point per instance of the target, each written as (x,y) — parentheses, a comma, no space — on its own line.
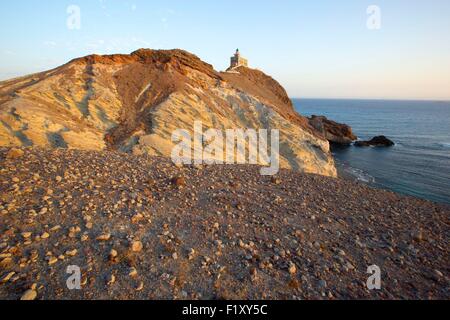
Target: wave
(444,144)
(361,175)
(355,174)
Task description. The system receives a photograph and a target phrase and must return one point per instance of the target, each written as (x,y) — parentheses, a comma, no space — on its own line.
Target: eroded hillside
(133,103)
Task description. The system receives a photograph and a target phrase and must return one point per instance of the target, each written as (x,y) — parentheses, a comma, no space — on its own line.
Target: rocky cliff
(337,133)
(133,103)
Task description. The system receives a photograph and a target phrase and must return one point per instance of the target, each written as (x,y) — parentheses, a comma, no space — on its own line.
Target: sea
(419,163)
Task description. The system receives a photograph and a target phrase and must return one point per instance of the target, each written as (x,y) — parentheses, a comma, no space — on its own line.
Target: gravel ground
(143,228)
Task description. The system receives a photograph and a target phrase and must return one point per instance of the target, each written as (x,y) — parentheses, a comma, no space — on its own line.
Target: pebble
(8,277)
(136,246)
(6,263)
(72,253)
(292,268)
(438,274)
(113,255)
(179,181)
(45,235)
(191,254)
(104,237)
(349,266)
(137,218)
(132,272)
(322,284)
(111,279)
(418,235)
(140,287)
(29,295)
(275,180)
(26,235)
(52,260)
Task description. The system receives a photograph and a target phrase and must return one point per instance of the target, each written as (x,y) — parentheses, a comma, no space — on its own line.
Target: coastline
(418,164)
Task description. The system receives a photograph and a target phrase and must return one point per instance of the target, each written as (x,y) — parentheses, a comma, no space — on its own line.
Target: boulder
(380,141)
(334,132)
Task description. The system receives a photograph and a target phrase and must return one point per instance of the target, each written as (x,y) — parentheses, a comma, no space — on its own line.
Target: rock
(179,181)
(275,180)
(349,266)
(380,141)
(104,237)
(6,263)
(26,235)
(132,272)
(292,268)
(140,287)
(45,235)
(55,228)
(8,277)
(334,132)
(322,284)
(14,153)
(113,255)
(29,295)
(137,218)
(254,274)
(418,236)
(136,246)
(191,254)
(72,253)
(5,255)
(438,274)
(111,279)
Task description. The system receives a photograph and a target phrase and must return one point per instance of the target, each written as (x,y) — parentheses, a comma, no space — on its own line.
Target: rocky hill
(133,103)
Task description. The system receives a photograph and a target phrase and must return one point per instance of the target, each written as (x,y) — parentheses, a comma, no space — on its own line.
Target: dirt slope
(141,228)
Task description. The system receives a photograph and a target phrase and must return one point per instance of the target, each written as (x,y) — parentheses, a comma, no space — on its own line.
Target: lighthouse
(237,60)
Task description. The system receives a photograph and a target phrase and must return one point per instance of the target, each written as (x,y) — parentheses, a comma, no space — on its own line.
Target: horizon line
(373,99)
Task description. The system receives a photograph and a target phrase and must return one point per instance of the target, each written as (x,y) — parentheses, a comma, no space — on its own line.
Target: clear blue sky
(314,48)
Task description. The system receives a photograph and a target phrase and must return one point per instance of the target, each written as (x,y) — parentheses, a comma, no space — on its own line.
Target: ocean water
(419,163)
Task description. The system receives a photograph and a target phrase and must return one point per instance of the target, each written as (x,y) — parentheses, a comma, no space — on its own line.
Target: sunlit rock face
(135,102)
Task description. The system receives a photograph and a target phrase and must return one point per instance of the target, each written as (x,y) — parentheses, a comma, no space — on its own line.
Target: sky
(315,49)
